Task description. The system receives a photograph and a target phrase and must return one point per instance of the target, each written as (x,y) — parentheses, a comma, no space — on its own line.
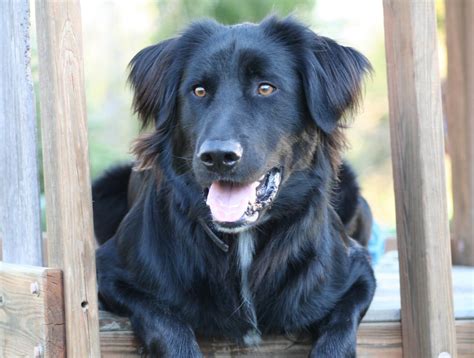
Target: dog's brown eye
(199,91)
(265,89)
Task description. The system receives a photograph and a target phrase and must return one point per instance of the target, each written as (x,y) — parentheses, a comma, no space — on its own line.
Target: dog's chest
(245,254)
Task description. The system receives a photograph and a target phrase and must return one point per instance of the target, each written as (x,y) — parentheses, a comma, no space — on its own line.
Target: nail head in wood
(34,288)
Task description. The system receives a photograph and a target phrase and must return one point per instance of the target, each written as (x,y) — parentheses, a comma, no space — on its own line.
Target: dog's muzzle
(236,205)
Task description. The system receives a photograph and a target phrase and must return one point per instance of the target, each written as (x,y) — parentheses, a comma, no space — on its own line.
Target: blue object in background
(377,243)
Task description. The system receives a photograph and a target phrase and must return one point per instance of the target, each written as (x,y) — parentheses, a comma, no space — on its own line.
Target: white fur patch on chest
(245,252)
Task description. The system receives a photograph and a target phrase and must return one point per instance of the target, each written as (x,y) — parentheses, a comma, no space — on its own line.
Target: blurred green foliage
(178,13)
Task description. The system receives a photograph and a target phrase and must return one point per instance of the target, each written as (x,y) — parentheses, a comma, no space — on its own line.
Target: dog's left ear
(333,78)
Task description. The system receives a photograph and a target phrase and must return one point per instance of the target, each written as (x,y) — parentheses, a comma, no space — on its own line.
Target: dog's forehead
(239,45)
(242,36)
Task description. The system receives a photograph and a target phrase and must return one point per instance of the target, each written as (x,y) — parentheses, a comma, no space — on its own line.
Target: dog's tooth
(253,218)
(277,178)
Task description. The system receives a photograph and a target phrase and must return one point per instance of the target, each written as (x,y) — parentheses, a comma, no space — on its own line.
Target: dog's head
(241,108)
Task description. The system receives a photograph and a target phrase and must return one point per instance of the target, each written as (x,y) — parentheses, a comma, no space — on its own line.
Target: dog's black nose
(219,155)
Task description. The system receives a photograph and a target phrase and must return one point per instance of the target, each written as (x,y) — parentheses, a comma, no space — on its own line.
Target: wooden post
(20,227)
(460,115)
(66,167)
(416,129)
(31,312)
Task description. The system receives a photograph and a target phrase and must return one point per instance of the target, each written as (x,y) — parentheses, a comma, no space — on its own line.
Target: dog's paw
(321,351)
(341,345)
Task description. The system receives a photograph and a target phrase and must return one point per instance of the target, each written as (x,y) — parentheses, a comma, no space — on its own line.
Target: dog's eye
(265,89)
(199,91)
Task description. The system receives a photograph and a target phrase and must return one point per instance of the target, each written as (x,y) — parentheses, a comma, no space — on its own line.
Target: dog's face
(243,108)
(240,101)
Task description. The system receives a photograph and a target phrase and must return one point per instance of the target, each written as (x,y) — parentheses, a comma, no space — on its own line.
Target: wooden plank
(416,129)
(465,338)
(31,311)
(381,339)
(460,116)
(374,340)
(387,294)
(71,244)
(385,306)
(20,226)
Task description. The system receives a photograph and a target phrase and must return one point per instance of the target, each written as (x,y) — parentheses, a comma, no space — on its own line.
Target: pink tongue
(228,202)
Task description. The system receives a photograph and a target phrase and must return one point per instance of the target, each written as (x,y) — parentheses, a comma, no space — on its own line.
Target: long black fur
(351,207)
(160,267)
(109,201)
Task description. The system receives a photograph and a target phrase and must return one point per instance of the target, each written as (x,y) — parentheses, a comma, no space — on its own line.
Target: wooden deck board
(386,304)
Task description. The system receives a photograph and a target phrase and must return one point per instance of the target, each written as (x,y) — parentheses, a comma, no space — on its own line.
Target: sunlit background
(113,31)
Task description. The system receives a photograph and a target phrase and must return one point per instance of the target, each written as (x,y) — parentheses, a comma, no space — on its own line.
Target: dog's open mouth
(233,204)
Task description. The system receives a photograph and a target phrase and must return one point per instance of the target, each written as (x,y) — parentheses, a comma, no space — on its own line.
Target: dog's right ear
(154,77)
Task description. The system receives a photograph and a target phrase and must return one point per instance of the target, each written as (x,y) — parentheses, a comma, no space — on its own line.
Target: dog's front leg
(337,333)
(161,332)
(164,335)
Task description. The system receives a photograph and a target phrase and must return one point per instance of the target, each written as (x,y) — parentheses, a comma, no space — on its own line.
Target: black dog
(234,222)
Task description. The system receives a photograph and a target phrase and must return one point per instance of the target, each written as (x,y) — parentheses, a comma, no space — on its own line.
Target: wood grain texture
(416,129)
(375,340)
(66,169)
(460,116)
(44,245)
(19,186)
(30,318)
(385,306)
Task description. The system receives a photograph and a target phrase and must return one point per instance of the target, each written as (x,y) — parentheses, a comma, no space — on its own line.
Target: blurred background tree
(114,31)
